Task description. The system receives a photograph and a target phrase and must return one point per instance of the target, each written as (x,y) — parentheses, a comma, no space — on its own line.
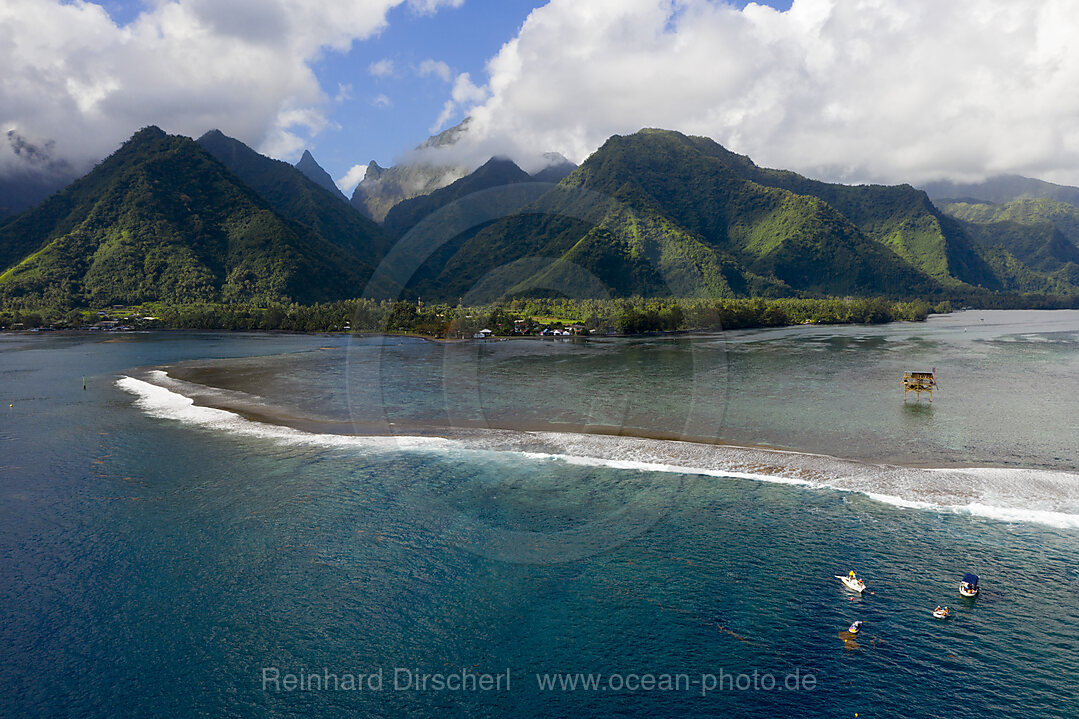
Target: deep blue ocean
(399,509)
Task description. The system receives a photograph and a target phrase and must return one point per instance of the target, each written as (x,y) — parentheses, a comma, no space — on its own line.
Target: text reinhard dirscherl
(465,680)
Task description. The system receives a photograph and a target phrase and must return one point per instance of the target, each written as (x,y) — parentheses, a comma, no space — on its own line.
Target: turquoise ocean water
(400,508)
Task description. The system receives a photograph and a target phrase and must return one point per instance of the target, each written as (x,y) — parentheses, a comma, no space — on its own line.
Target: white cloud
(345,92)
(381,68)
(436,68)
(857,90)
(350,179)
(464,93)
(427,7)
(283,140)
(381,100)
(72,75)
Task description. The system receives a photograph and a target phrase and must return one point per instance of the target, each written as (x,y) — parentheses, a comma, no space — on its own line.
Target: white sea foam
(158,401)
(1063,520)
(1009,495)
(660,467)
(899,501)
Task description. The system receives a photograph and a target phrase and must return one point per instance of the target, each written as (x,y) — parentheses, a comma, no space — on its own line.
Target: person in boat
(937,609)
(851,575)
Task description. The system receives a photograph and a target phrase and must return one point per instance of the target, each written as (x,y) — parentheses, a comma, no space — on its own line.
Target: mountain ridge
(692,213)
(655,213)
(1002,188)
(296,197)
(163,220)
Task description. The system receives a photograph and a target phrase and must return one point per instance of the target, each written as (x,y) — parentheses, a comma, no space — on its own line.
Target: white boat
(853,628)
(969,586)
(941,612)
(852,583)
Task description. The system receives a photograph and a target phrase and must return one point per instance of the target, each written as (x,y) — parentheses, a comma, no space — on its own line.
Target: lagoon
(344,504)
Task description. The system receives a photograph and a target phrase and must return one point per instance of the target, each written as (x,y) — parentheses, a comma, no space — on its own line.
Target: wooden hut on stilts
(919,382)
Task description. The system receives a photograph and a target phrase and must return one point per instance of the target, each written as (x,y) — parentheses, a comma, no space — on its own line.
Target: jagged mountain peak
(314,172)
(374,171)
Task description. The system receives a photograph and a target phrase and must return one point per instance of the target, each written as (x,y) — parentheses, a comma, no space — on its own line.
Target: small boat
(942,612)
(969,586)
(852,582)
(854,628)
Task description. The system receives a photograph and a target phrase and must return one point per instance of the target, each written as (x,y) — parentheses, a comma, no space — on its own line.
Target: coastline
(631,315)
(958,488)
(696,332)
(257,410)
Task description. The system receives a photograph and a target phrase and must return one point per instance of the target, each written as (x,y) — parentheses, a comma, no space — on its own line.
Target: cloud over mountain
(857,90)
(75,78)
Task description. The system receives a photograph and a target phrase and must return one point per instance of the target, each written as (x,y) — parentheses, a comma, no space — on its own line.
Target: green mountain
(1027,211)
(1032,244)
(899,216)
(294,196)
(1029,257)
(1001,189)
(668,214)
(163,220)
(656,214)
(661,213)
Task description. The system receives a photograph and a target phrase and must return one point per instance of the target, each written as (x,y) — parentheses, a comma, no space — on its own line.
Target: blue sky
(463,38)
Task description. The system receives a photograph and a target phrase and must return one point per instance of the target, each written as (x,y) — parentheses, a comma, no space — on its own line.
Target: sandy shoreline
(183,380)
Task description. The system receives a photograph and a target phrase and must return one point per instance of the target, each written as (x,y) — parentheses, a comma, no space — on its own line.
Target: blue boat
(969,586)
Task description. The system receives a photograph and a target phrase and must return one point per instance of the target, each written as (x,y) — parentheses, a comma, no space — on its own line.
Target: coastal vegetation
(517,317)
